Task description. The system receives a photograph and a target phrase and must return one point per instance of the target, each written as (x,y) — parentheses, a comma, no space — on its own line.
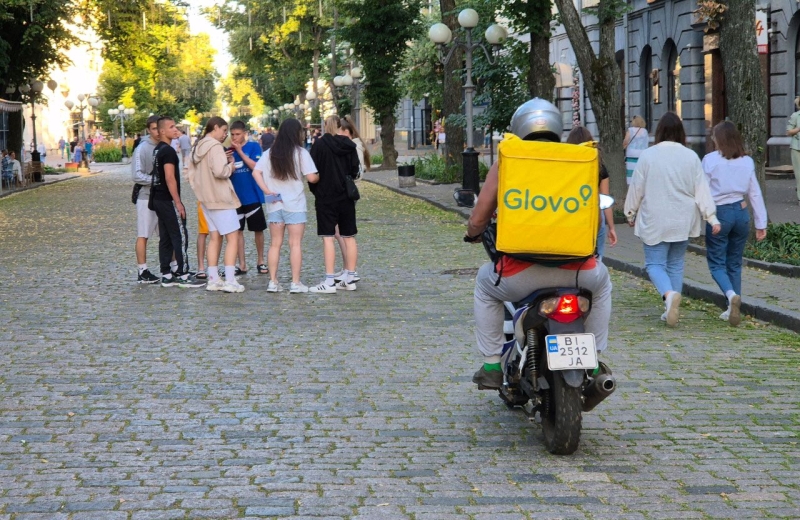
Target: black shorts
(342,213)
(253,214)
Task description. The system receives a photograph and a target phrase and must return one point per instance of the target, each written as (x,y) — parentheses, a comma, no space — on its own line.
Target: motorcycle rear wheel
(561,420)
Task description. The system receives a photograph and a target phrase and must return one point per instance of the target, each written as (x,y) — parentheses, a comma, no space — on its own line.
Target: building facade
(668,63)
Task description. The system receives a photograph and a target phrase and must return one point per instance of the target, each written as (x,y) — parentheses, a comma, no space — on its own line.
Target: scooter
(550,364)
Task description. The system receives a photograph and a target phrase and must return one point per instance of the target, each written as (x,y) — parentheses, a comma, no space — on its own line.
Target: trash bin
(405,176)
(36,171)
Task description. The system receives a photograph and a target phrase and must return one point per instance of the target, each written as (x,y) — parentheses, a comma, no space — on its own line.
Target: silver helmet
(537,119)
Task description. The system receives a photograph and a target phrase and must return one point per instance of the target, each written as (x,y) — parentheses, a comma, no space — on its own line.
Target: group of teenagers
(232,184)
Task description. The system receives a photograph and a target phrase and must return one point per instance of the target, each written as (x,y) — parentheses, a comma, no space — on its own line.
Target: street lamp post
(122,114)
(441,35)
(35,88)
(90,101)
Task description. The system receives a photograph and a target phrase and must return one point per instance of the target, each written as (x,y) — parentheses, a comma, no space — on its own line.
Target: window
(646,90)
(673,78)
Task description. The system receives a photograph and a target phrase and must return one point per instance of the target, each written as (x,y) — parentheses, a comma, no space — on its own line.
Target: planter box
(71,166)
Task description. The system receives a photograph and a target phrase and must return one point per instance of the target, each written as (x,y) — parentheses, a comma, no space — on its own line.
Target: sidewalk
(768,296)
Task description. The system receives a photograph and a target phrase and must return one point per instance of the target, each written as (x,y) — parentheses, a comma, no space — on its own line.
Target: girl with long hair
(336,157)
(732,177)
(279,173)
(209,172)
(578,135)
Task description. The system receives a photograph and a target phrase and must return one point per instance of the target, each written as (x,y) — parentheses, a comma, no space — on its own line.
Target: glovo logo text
(515,199)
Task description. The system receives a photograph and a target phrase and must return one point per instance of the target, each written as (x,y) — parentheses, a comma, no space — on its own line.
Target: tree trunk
(601,78)
(387,138)
(541,82)
(747,103)
(451,100)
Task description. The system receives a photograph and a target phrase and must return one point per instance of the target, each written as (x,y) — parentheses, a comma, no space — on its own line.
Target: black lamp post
(441,35)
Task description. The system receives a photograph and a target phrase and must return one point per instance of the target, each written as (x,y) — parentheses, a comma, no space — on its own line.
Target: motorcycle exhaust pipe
(601,387)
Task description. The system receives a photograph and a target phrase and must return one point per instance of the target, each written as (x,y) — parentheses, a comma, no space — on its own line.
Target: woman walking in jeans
(732,176)
(667,197)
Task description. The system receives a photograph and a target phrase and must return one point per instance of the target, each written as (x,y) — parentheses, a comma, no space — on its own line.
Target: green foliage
(421,73)
(376,159)
(781,245)
(106,153)
(153,63)
(378,35)
(30,49)
(433,167)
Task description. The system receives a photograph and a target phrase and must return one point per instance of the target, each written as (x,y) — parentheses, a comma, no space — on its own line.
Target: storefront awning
(10,106)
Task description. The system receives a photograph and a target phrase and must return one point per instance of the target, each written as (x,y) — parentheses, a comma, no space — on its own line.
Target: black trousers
(172,238)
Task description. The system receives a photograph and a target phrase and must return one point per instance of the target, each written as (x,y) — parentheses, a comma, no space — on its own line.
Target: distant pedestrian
(266,139)
(62,144)
(186,147)
(280,173)
(793,130)
(136,141)
(667,198)
(209,173)
(16,169)
(732,177)
(336,157)
(78,152)
(636,140)
(87,149)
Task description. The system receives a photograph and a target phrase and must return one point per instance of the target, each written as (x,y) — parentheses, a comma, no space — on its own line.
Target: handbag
(352,189)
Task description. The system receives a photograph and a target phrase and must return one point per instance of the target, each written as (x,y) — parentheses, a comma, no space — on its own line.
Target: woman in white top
(349,128)
(666,201)
(280,173)
(636,140)
(732,176)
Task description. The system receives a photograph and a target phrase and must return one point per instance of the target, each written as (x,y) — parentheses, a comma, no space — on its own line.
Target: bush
(107,152)
(781,245)
(433,168)
(376,160)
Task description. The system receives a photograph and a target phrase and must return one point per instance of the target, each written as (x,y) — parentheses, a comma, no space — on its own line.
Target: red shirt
(510,266)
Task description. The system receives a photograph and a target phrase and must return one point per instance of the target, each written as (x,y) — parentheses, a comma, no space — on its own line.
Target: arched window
(645,66)
(673,61)
(797,66)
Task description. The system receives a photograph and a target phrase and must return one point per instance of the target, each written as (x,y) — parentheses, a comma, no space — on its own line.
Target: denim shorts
(286,217)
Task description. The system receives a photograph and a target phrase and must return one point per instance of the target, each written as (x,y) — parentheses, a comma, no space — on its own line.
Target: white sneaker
(344,286)
(274,287)
(215,285)
(673,302)
(232,287)
(338,277)
(297,288)
(664,316)
(356,278)
(725,315)
(322,289)
(735,317)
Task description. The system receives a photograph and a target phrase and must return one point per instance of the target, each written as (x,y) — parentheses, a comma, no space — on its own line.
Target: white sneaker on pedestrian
(664,316)
(215,285)
(274,287)
(725,316)
(297,288)
(735,317)
(232,287)
(322,289)
(673,302)
(338,277)
(344,286)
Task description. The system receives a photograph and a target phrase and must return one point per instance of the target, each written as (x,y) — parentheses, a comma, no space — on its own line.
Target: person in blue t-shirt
(251,212)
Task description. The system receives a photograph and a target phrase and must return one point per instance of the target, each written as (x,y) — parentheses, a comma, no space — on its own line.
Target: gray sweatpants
(489,300)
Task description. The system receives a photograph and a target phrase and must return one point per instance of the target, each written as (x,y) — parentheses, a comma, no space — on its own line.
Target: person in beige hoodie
(209,170)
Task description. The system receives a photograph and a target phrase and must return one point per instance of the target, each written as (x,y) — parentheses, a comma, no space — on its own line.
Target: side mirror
(465,198)
(606,201)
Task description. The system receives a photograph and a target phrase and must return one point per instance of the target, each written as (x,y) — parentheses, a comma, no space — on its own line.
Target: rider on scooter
(534,120)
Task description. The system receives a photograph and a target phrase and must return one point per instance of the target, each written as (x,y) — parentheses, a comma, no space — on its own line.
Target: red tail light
(564,309)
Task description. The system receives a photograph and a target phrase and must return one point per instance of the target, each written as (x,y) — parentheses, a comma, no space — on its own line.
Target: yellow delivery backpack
(548,208)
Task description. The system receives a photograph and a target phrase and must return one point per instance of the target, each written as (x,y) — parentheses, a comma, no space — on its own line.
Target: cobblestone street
(124,401)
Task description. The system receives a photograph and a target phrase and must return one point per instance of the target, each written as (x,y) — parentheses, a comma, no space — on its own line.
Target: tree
(378,35)
(747,103)
(601,77)
(451,93)
(534,17)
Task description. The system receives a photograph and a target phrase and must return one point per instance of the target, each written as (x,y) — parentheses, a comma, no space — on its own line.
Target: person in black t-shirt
(169,209)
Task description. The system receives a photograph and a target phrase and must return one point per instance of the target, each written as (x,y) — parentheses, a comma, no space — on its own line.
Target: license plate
(571,351)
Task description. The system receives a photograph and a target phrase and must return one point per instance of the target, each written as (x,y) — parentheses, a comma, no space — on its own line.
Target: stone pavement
(120,401)
(767,296)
